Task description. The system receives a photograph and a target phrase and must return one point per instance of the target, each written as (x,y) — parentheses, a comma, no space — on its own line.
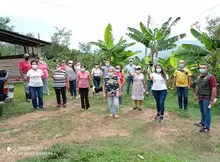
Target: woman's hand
(105,96)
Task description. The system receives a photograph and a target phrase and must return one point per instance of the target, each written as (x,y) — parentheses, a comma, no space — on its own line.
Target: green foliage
(5,23)
(156,39)
(85,48)
(116,53)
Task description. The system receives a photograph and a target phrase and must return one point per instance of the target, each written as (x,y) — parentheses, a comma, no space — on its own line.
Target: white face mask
(82,69)
(59,68)
(34,66)
(97,66)
(41,61)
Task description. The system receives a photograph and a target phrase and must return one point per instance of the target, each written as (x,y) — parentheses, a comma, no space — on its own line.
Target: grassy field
(92,136)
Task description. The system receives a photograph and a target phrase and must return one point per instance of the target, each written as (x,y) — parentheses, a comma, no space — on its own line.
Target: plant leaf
(108,37)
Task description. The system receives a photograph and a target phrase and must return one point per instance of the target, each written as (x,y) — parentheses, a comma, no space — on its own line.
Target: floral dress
(111,85)
(138,87)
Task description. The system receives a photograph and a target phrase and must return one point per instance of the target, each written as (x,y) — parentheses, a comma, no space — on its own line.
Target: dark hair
(204,65)
(163,73)
(83,66)
(34,61)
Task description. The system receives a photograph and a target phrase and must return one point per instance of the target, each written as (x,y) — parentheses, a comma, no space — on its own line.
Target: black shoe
(202,130)
(185,109)
(161,119)
(199,124)
(140,109)
(135,108)
(157,116)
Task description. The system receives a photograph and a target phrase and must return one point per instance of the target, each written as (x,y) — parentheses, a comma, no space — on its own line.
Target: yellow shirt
(182,79)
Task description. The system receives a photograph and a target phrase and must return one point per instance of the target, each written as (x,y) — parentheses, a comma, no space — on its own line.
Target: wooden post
(25,51)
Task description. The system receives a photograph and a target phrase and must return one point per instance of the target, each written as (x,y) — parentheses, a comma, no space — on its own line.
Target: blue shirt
(105,70)
(130,68)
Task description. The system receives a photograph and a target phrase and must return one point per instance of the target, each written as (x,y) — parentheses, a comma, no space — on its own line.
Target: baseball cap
(26,55)
(138,67)
(131,60)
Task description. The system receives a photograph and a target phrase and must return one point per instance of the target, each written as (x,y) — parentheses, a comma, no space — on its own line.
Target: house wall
(12,66)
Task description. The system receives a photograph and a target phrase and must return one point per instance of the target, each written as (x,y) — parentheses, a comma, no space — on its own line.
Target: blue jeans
(182,93)
(160,97)
(120,98)
(72,87)
(113,104)
(46,87)
(149,85)
(205,112)
(129,81)
(37,92)
(96,81)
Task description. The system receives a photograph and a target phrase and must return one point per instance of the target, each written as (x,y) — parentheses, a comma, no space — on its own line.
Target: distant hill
(163,54)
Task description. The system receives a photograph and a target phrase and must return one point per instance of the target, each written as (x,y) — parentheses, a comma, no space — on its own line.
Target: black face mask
(151,64)
(26,58)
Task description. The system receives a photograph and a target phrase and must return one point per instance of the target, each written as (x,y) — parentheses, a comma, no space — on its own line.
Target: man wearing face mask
(182,81)
(150,69)
(206,93)
(129,69)
(106,67)
(24,66)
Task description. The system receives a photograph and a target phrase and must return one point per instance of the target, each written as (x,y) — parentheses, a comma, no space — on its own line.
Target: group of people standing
(77,79)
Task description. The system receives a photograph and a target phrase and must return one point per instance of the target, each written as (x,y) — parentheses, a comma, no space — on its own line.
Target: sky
(88,18)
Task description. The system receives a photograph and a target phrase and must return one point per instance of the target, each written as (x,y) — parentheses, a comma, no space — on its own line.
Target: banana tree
(158,39)
(116,53)
(210,52)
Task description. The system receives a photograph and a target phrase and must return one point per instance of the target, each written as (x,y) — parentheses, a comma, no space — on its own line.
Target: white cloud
(88,18)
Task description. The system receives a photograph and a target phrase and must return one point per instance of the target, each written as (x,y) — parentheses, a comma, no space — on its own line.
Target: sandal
(135,108)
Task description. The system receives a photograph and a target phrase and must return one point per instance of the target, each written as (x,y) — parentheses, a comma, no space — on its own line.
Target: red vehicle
(6,90)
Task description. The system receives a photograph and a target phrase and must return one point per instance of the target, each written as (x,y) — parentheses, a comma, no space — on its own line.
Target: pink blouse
(44,68)
(83,79)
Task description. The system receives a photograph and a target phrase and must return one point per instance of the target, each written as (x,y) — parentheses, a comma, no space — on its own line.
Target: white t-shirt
(159,83)
(96,72)
(35,78)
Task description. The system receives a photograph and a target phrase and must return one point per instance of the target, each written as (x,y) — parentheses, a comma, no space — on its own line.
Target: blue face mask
(158,70)
(202,71)
(181,65)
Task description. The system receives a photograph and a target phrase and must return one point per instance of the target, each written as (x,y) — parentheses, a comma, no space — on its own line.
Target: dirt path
(87,126)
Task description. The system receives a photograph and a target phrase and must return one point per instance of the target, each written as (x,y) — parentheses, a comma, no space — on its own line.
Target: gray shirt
(105,70)
(71,73)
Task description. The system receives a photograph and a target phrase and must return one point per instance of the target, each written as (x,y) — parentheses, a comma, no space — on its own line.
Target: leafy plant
(158,39)
(116,53)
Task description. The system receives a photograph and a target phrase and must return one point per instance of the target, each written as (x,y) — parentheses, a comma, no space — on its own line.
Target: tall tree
(60,42)
(212,24)
(85,47)
(5,23)
(61,37)
(157,39)
(116,53)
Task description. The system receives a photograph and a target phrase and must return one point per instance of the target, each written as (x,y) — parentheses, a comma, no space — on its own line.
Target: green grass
(174,140)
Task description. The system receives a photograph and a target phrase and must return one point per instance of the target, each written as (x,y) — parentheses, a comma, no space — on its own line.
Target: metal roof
(15,38)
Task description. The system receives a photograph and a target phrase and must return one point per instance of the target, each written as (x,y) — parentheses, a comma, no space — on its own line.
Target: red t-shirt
(24,66)
(120,75)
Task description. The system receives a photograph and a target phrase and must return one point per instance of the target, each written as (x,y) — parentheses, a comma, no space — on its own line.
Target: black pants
(60,92)
(84,96)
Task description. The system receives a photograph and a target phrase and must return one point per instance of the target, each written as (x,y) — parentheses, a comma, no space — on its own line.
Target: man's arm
(189,81)
(212,82)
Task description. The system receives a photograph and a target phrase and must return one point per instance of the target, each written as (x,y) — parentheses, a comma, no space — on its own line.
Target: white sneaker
(71,97)
(111,115)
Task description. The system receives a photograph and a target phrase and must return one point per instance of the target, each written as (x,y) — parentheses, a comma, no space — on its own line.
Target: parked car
(6,90)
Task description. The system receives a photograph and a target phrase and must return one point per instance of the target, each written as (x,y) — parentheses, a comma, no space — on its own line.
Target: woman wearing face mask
(159,89)
(97,73)
(139,87)
(83,86)
(34,76)
(71,73)
(59,84)
(111,91)
(120,75)
(43,66)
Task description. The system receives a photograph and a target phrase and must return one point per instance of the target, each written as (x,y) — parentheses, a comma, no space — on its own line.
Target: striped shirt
(59,78)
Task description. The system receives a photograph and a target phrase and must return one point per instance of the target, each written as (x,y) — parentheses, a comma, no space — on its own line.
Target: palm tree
(156,39)
(116,53)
